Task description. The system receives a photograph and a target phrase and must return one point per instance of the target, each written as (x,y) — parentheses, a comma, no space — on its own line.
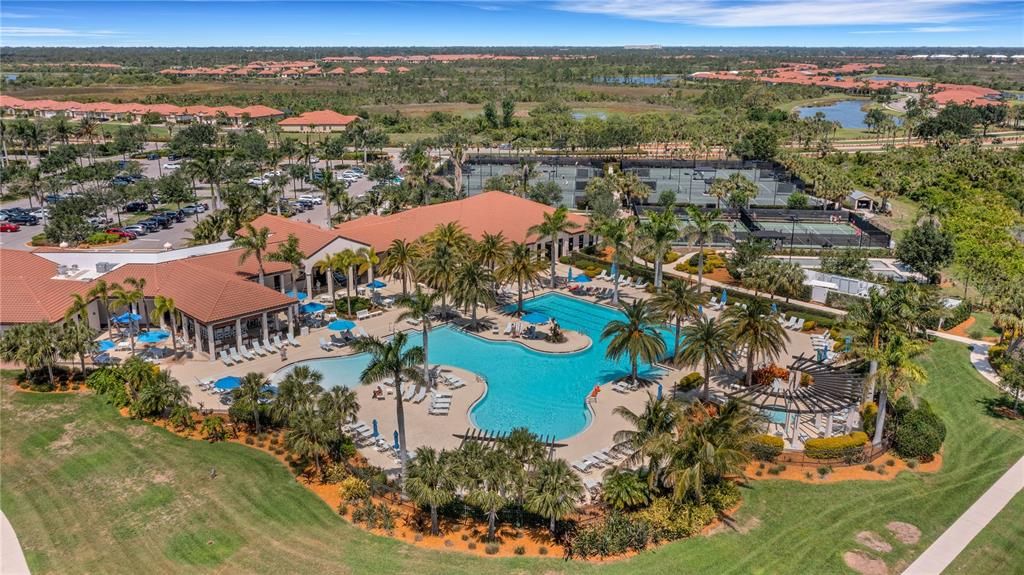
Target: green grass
(984,325)
(91,492)
(992,551)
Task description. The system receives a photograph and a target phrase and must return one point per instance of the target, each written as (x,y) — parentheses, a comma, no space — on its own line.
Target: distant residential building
(319,121)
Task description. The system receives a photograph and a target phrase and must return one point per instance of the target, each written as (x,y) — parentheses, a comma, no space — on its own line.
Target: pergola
(833,390)
(492,437)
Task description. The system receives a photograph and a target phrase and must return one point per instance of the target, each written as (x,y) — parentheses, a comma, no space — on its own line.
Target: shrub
(766,447)
(352,488)
(690,382)
(615,535)
(920,434)
(449,543)
(669,520)
(366,513)
(542,550)
(869,467)
(342,508)
(491,548)
(911,463)
(723,496)
(102,238)
(249,440)
(472,545)
(769,373)
(671,257)
(107,382)
(824,470)
(519,550)
(465,537)
(335,473)
(846,447)
(868,414)
(809,325)
(806,379)
(386,518)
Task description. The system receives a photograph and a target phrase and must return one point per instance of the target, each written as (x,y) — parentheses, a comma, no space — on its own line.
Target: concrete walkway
(12,559)
(946,548)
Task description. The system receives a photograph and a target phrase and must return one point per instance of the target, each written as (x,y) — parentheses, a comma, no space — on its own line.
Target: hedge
(845,447)
(670,521)
(920,434)
(766,447)
(690,382)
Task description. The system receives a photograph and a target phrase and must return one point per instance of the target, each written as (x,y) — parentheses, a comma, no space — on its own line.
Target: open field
(89,491)
(984,326)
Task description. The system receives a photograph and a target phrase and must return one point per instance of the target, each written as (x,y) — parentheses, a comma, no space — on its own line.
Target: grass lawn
(984,326)
(997,547)
(88,491)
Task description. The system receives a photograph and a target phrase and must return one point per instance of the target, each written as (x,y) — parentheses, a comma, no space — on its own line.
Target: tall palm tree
(419,307)
(553,491)
(646,433)
(438,269)
(636,337)
(522,267)
(289,253)
(897,374)
(140,286)
(368,261)
(391,359)
(78,310)
(708,343)
(431,482)
(400,260)
(492,251)
(678,302)
(615,234)
(489,480)
(251,394)
(254,244)
(310,435)
(340,405)
(472,287)
(163,306)
(77,339)
(330,188)
(700,228)
(553,225)
(873,320)
(754,326)
(327,265)
(298,390)
(660,231)
(127,299)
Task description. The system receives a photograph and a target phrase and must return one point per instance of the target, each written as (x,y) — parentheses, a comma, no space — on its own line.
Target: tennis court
(809,228)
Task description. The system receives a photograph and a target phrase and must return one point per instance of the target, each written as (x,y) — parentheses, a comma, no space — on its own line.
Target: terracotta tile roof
(27,291)
(359,70)
(336,71)
(256,111)
(487,212)
(319,118)
(312,238)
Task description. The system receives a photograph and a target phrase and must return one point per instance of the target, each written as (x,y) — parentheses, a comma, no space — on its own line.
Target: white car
(172,166)
(258,181)
(269,175)
(311,198)
(313,159)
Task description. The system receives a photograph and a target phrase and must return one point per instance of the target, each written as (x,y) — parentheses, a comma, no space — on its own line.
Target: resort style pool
(543,392)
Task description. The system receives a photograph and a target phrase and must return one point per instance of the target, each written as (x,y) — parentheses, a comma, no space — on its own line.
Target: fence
(870,453)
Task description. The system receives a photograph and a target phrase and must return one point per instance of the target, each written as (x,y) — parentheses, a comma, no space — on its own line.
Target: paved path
(12,559)
(946,548)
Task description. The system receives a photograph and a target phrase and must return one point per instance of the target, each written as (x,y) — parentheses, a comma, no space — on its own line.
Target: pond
(640,80)
(894,79)
(847,112)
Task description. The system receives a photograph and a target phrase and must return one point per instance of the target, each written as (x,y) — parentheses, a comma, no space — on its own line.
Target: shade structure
(299,295)
(581,279)
(312,307)
(725,296)
(376,432)
(377,284)
(341,325)
(536,317)
(127,317)
(396,441)
(228,383)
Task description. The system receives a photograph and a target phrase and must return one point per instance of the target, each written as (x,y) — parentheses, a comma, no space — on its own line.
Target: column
(213,346)
(195,333)
(796,428)
(330,283)
(291,320)
(309,284)
(849,418)
(828,425)
(266,327)
(238,334)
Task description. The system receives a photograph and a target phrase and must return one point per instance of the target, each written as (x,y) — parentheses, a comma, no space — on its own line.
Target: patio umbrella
(341,325)
(106,345)
(127,317)
(775,308)
(377,284)
(849,344)
(375,432)
(397,447)
(659,391)
(299,295)
(228,383)
(615,270)
(311,307)
(535,317)
(582,279)
(725,296)
(700,309)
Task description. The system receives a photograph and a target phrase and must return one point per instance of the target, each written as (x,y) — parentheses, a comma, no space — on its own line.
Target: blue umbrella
(536,317)
(375,432)
(106,345)
(377,284)
(775,308)
(821,354)
(849,344)
(725,296)
(615,270)
(311,307)
(582,279)
(299,295)
(341,325)
(228,383)
(700,308)
(127,317)
(659,391)
(396,441)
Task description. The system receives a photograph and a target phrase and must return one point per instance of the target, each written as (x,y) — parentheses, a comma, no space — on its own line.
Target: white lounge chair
(508,328)
(413,321)
(235,356)
(442,394)
(626,282)
(363,314)
(325,345)
(799,325)
(641,284)
(433,411)
(246,353)
(360,332)
(270,347)
(258,349)
(419,397)
(227,360)
(409,393)
(600,457)
(582,466)
(291,340)
(790,322)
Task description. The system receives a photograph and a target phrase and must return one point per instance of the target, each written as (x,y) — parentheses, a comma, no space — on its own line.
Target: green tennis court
(809,228)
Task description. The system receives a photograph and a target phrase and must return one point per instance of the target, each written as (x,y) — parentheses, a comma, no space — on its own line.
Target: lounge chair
(495,330)
(414,321)
(600,457)
(292,340)
(227,360)
(363,314)
(271,348)
(258,349)
(409,393)
(246,353)
(799,325)
(641,284)
(360,332)
(438,411)
(581,465)
(626,282)
(325,345)
(233,352)
(508,328)
(419,397)
(790,322)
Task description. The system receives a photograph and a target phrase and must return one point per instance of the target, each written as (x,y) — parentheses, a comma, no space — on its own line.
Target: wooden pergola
(489,437)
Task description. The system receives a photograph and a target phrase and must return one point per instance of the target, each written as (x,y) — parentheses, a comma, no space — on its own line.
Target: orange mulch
(798,472)
(721,275)
(961,328)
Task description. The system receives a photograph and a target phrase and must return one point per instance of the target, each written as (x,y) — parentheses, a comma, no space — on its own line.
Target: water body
(894,79)
(847,112)
(651,80)
(582,115)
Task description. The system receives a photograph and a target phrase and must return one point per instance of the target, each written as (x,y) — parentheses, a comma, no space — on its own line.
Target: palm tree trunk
(174,334)
(426,360)
(633,368)
(707,381)
(883,402)
(519,309)
(400,416)
(554,256)
(434,530)
(679,328)
(491,516)
(700,265)
(552,526)
(750,367)
(615,292)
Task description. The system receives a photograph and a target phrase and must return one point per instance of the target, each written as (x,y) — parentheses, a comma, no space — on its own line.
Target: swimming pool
(154,336)
(540,391)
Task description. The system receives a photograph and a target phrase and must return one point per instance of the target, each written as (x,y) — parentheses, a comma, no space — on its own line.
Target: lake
(847,112)
(650,80)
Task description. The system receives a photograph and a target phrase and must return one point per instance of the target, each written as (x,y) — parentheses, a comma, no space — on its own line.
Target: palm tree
(126,299)
(492,251)
(660,231)
(754,326)
(209,230)
(400,259)
(647,431)
(897,374)
(553,491)
(679,302)
(438,270)
(329,187)
(78,310)
(310,435)
(340,405)
(140,286)
(522,267)
(873,320)
(616,233)
(699,229)
(77,338)
(251,394)
(623,489)
(431,482)
(163,305)
(368,260)
(254,244)
(708,343)
(326,265)
(419,308)
(473,287)
(390,359)
(637,337)
(489,480)
(553,225)
(34,345)
(298,390)
(289,253)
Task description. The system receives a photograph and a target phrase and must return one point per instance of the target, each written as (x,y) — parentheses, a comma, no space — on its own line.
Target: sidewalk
(946,548)
(12,559)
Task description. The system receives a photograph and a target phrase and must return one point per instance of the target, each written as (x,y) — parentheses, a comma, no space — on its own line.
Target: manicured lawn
(997,548)
(984,326)
(88,491)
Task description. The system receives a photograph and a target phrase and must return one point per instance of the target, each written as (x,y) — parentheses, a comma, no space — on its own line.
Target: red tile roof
(27,291)
(491,212)
(319,118)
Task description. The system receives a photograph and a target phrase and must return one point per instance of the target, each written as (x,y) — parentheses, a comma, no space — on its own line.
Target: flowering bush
(352,488)
(769,373)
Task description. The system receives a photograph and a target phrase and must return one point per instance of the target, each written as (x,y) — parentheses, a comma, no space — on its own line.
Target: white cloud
(43,32)
(15,15)
(762,13)
(943,29)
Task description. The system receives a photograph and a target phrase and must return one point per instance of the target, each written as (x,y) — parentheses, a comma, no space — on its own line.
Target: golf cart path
(12,558)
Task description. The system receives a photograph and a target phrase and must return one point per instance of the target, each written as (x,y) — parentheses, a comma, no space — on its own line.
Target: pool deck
(439,431)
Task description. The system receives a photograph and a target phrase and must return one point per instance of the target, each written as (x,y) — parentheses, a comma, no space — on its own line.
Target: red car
(9,227)
(122,233)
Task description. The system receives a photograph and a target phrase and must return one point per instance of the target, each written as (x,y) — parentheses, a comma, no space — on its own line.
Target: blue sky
(514,23)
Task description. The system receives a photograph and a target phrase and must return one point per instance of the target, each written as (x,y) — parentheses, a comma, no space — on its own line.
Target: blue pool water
(775,416)
(542,392)
(153,336)
(106,345)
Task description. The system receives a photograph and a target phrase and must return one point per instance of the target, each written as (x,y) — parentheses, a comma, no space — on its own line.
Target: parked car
(306,205)
(136,207)
(99,221)
(164,221)
(151,225)
(153,157)
(22,219)
(178,216)
(258,181)
(121,181)
(171,166)
(137,229)
(122,233)
(53,198)
(313,159)
(3,216)
(40,213)
(9,227)
(312,198)
(273,173)
(193,209)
